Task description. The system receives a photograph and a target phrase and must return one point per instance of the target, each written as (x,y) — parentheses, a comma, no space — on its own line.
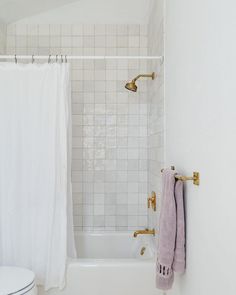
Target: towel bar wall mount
(195,178)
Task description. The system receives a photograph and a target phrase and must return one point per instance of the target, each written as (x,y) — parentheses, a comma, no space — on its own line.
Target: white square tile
(134,42)
(143,30)
(88,41)
(111,29)
(110,164)
(133,153)
(88,220)
(110,210)
(100,75)
(11,41)
(100,86)
(77,41)
(110,221)
(122,30)
(11,29)
(66,41)
(100,29)
(111,41)
(133,209)
(133,187)
(66,30)
(134,29)
(55,30)
(99,51)
(43,29)
(133,220)
(111,120)
(88,29)
(33,30)
(21,29)
(77,30)
(122,220)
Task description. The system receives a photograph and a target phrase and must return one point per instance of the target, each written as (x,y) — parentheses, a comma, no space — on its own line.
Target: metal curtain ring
(56,57)
(65,58)
(15,59)
(32,58)
(49,58)
(61,58)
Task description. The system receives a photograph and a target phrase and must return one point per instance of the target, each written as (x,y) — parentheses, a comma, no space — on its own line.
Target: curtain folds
(36,226)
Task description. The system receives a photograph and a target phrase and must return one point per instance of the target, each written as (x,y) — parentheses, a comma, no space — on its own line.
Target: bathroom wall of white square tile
(2,38)
(110,136)
(156,105)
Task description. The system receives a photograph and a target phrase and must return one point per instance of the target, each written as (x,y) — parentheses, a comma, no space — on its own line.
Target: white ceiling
(13,10)
(74,11)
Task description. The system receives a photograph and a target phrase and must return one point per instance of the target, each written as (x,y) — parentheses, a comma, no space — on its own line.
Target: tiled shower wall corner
(109,168)
(2,38)
(156,104)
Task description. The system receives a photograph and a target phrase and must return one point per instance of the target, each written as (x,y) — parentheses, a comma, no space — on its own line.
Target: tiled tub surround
(109,169)
(156,105)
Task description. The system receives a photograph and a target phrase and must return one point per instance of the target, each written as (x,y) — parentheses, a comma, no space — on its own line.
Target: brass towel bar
(195,178)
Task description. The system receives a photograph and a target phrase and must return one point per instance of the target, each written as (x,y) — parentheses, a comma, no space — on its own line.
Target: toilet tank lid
(14,279)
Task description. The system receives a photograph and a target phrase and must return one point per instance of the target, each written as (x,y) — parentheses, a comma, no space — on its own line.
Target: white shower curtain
(35,188)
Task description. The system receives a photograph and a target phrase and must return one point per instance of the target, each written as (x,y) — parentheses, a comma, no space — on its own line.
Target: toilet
(17,281)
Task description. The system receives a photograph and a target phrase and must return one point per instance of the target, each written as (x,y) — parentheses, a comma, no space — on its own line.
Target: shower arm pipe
(143,76)
(82,57)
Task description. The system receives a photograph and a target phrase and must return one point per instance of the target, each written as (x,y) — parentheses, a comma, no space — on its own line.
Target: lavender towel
(171,246)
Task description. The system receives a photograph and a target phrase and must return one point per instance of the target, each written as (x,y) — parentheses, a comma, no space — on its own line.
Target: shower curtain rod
(70,57)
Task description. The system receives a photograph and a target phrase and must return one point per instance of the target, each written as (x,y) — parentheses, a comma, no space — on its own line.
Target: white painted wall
(95,12)
(200,90)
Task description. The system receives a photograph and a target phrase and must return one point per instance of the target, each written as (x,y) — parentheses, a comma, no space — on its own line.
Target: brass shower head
(133,87)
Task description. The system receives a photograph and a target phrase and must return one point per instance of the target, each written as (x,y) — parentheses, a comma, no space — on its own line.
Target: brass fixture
(144,232)
(142,251)
(132,86)
(152,201)
(195,178)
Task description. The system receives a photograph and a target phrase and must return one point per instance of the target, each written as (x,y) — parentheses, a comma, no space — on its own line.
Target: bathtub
(110,264)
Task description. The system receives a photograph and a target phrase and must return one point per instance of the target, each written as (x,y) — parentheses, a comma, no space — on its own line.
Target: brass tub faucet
(144,232)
